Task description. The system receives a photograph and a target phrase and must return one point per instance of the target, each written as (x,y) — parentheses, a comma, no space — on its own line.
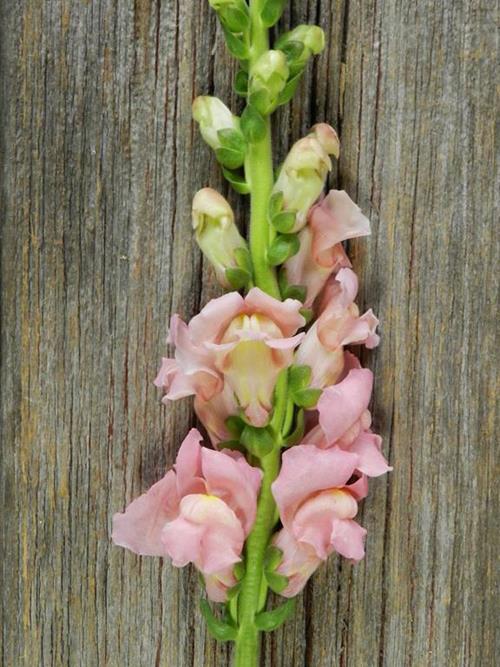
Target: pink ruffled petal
(348,539)
(284,313)
(188,465)
(298,563)
(371,460)
(210,324)
(139,527)
(213,413)
(234,481)
(218,584)
(342,405)
(306,470)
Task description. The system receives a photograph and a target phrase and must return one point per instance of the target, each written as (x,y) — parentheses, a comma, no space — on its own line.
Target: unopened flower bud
(327,137)
(216,232)
(213,116)
(312,40)
(268,78)
(233,14)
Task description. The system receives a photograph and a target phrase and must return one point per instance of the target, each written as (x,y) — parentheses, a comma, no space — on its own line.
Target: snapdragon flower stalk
(285,405)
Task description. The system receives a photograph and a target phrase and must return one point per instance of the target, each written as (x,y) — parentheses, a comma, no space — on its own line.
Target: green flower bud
(300,44)
(268,78)
(304,171)
(213,116)
(233,14)
(217,234)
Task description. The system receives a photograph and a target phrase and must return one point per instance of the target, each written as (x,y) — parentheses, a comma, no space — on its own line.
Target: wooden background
(99,164)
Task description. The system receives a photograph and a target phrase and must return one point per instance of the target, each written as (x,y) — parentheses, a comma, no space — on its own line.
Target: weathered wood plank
(100,161)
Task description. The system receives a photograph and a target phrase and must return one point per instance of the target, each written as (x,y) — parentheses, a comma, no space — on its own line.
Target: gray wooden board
(100,160)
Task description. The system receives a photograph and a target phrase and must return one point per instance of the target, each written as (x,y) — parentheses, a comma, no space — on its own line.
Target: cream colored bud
(216,232)
(212,116)
(327,137)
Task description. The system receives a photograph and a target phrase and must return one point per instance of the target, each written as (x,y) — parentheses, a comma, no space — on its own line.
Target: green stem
(259,175)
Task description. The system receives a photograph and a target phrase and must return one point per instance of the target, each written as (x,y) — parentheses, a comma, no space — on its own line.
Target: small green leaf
(258,441)
(233,591)
(277,582)
(239,571)
(243,259)
(289,90)
(292,50)
(261,100)
(235,425)
(306,398)
(232,139)
(298,292)
(283,247)
(238,182)
(234,19)
(230,158)
(253,125)
(272,558)
(231,444)
(235,45)
(237,278)
(241,83)
(220,630)
(299,377)
(307,314)
(284,221)
(275,204)
(298,432)
(270,620)
(271,12)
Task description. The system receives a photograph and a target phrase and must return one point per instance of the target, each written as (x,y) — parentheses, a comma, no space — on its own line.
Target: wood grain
(99,164)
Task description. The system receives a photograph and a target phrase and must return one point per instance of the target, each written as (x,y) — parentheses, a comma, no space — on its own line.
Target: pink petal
(306,470)
(139,527)
(213,413)
(188,465)
(234,481)
(341,405)
(371,460)
(284,313)
(326,364)
(348,539)
(218,584)
(337,218)
(210,324)
(299,562)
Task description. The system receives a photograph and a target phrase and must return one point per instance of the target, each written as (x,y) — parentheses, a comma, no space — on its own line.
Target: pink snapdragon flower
(344,421)
(201,512)
(317,508)
(338,324)
(335,219)
(243,342)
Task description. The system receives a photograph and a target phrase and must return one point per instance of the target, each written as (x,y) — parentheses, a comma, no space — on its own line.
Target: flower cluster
(229,357)
(283,401)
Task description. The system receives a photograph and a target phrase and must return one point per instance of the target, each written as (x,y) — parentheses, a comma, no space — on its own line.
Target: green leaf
(299,377)
(241,83)
(232,139)
(289,90)
(306,398)
(258,441)
(237,181)
(271,12)
(239,571)
(243,259)
(230,158)
(284,221)
(282,248)
(292,50)
(277,582)
(275,204)
(298,432)
(220,630)
(235,45)
(307,314)
(253,125)
(261,100)
(270,620)
(238,278)
(298,292)
(272,558)
(234,19)
(231,444)
(233,591)
(235,425)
